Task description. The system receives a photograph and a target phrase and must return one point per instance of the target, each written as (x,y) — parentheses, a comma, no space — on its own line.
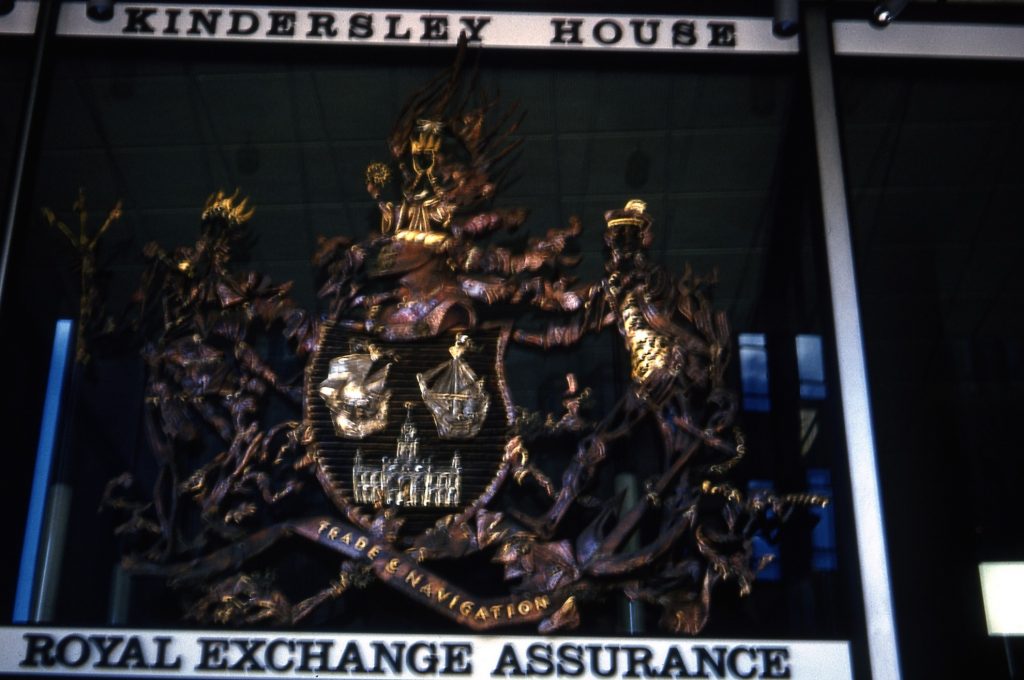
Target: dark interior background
(932,151)
(722,151)
(15,53)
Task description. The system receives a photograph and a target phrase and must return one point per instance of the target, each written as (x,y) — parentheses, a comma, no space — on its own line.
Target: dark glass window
(21,404)
(932,152)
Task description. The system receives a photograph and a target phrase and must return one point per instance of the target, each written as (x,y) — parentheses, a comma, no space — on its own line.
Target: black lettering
(638,31)
(270,656)
(208,20)
(282,23)
(392,34)
(394,657)
(508,663)
(567,31)
(307,654)
(105,645)
(322,25)
(595,660)
(473,27)
(733,662)
(132,656)
(773,662)
(704,659)
(434,28)
(248,648)
(360,26)
(674,666)
(538,659)
(210,654)
(723,34)
(252,22)
(430,658)
(172,21)
(138,20)
(570,660)
(351,660)
(38,651)
(161,654)
(684,34)
(457,658)
(638,656)
(605,37)
(79,657)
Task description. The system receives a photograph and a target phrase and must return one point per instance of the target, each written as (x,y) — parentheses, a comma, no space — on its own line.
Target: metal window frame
(929,40)
(853,380)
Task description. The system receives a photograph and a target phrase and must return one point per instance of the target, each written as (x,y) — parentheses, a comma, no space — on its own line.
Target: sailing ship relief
(455,396)
(358,400)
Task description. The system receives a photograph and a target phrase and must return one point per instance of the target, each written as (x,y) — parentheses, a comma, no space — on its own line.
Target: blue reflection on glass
(62,348)
(810,366)
(760,544)
(754,372)
(823,536)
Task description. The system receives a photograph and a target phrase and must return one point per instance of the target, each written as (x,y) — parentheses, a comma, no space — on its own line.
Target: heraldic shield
(377,419)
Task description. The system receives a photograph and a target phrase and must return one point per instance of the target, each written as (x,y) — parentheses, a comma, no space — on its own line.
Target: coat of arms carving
(408,455)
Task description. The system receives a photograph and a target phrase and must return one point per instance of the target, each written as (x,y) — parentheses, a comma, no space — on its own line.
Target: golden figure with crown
(423,214)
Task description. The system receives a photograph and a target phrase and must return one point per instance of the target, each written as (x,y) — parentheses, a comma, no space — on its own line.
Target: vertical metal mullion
(853,383)
(45,22)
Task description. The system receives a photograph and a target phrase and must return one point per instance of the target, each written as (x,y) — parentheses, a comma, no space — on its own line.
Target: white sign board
(21,20)
(917,39)
(28,651)
(1002,589)
(348,26)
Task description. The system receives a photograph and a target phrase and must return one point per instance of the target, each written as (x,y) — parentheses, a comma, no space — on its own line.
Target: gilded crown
(428,137)
(634,214)
(222,206)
